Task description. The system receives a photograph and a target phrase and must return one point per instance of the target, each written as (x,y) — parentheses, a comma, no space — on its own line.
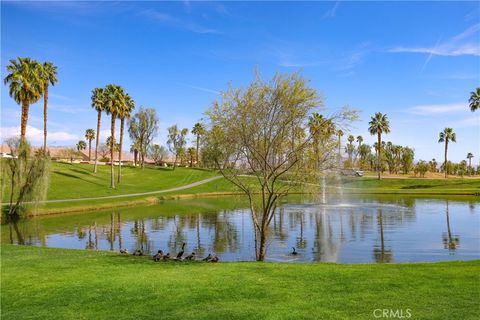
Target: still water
(360,229)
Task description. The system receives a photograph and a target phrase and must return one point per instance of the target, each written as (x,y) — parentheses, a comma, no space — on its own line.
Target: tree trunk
(135,155)
(175,162)
(45,116)
(262,249)
(198,143)
(445,163)
(122,124)
(96,142)
(112,144)
(24,120)
(379,154)
(89,150)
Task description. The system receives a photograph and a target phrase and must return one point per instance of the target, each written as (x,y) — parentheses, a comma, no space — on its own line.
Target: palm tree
(81,145)
(474,100)
(98,103)
(339,135)
(48,74)
(359,140)
(191,152)
(378,125)
(445,136)
(114,100)
(90,135)
(469,157)
(25,86)
(198,130)
(125,110)
(134,150)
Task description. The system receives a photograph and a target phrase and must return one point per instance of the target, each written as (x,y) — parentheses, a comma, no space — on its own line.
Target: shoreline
(147,201)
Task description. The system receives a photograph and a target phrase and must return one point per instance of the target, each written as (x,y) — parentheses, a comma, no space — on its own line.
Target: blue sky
(415,61)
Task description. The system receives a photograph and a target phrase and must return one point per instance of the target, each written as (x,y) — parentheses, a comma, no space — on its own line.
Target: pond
(359,229)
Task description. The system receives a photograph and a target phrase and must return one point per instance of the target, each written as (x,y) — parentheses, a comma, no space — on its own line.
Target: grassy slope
(42,283)
(78,181)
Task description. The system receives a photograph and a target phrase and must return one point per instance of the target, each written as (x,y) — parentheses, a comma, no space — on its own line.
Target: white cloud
(202,89)
(472,121)
(35,135)
(176,22)
(465,43)
(332,12)
(438,109)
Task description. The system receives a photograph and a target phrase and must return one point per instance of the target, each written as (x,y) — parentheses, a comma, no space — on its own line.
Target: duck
(123,251)
(191,257)
(138,252)
(215,259)
(158,256)
(180,254)
(166,257)
(294,252)
(208,258)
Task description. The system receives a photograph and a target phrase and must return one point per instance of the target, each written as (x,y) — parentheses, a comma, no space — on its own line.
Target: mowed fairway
(70,181)
(42,283)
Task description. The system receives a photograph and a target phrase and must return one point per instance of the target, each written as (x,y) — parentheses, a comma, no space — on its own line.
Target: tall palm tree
(379,124)
(99,104)
(25,86)
(48,74)
(339,135)
(125,109)
(474,100)
(469,157)
(114,99)
(90,135)
(446,136)
(198,130)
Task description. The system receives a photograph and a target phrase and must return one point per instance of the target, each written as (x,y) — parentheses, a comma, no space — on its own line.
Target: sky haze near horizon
(415,61)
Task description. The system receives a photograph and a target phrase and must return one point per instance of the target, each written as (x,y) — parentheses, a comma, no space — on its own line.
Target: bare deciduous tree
(251,134)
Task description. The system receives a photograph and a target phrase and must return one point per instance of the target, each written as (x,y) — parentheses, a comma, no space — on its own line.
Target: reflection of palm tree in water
(111,236)
(301,242)
(380,254)
(450,241)
(119,226)
(141,236)
(90,243)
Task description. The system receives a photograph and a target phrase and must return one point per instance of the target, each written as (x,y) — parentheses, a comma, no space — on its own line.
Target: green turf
(70,181)
(43,283)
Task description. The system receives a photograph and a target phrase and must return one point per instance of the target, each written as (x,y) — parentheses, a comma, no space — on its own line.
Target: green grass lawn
(79,181)
(412,185)
(43,283)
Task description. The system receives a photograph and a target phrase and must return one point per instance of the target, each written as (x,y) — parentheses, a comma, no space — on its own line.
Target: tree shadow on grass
(76,177)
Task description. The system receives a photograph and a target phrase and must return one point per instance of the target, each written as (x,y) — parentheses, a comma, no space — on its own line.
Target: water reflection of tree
(90,243)
(278,227)
(298,220)
(450,241)
(380,253)
(141,237)
(225,235)
(324,244)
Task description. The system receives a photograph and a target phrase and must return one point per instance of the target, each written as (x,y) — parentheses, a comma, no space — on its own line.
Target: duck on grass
(161,256)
